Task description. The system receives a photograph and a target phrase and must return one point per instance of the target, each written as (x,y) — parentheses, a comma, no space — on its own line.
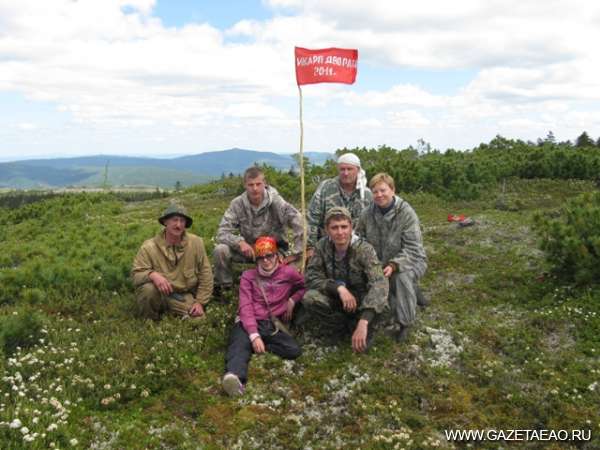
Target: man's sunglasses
(267,256)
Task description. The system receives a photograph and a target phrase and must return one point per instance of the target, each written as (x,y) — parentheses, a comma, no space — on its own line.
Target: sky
(175,77)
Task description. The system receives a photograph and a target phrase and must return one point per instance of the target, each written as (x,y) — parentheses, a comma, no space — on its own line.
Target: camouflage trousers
(325,317)
(223,258)
(152,304)
(403,297)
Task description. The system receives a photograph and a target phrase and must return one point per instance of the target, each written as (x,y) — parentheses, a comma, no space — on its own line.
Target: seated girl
(268,295)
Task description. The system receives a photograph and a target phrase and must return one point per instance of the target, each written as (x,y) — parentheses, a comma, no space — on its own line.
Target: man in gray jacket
(391,225)
(260,211)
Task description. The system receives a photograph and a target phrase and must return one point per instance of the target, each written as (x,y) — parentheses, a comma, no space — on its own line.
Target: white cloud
(554,82)
(409,119)
(253,110)
(106,66)
(398,95)
(26,126)
(437,33)
(112,66)
(370,123)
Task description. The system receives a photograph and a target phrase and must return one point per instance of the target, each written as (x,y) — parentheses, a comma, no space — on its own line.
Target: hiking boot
(232,385)
(221,292)
(402,334)
(422,300)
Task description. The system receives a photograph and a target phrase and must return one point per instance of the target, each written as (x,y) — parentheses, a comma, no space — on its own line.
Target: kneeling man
(259,211)
(347,289)
(171,272)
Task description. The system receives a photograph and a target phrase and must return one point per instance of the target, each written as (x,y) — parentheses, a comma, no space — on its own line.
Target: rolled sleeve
(205,278)
(229,228)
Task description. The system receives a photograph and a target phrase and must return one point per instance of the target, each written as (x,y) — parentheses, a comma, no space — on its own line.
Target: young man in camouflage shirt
(347,289)
(259,211)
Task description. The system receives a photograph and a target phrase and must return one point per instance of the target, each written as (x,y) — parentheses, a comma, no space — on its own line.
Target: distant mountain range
(93,171)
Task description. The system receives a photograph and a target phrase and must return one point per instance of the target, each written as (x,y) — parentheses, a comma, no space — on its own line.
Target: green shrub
(20,330)
(33,295)
(572,239)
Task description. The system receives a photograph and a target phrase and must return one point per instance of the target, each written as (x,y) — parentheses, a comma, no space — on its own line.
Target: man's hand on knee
(246,250)
(196,310)
(161,283)
(348,300)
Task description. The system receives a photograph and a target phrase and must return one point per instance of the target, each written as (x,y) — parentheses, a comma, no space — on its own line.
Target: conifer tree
(584,141)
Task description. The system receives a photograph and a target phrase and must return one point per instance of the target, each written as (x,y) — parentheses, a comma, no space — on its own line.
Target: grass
(503,345)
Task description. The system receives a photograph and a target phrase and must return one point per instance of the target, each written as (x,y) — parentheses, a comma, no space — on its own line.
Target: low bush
(22,329)
(571,240)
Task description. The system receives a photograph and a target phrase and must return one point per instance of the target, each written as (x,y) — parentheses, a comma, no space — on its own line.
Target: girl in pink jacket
(268,296)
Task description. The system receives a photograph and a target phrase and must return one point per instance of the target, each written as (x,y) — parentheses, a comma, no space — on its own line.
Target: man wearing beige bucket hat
(171,272)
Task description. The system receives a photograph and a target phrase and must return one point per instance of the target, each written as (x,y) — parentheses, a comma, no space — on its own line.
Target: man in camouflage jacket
(171,272)
(395,233)
(260,211)
(347,289)
(348,189)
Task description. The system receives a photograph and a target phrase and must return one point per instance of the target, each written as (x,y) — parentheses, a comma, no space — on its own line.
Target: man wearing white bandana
(349,190)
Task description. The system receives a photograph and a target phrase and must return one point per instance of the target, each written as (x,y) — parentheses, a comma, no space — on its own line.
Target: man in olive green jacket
(171,272)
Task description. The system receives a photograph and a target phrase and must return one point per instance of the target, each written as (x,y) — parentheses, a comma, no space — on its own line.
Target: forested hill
(114,170)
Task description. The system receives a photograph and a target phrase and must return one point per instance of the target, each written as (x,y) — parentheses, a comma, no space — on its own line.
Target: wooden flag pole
(327,65)
(302,201)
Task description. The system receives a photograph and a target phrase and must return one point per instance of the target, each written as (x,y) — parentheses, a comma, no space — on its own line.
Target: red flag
(326,65)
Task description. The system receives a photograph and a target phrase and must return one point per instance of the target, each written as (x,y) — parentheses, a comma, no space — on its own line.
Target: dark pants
(240,350)
(324,316)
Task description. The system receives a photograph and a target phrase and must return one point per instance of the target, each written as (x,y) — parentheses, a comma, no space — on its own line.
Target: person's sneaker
(402,334)
(232,385)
